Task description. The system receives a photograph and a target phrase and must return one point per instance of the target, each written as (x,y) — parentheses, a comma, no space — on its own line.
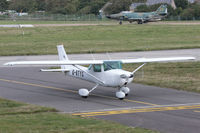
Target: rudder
(162,10)
(62,55)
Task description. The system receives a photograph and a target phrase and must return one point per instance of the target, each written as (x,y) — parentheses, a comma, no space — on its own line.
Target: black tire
(84,97)
(121,98)
(140,22)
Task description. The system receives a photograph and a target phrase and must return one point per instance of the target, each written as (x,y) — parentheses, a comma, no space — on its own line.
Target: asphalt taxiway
(162,109)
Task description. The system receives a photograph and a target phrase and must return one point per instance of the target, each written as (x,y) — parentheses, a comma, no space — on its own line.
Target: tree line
(184,9)
(54,6)
(66,6)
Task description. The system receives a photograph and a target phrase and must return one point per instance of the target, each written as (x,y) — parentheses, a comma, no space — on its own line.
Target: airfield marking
(138,110)
(61,89)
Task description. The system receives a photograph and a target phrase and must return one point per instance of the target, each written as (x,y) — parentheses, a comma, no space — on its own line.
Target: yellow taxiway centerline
(139,110)
(61,89)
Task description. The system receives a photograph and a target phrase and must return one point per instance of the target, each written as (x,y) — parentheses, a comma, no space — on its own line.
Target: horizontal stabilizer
(54,70)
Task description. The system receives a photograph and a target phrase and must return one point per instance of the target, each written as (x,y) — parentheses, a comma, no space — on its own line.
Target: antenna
(108,55)
(92,55)
(21,26)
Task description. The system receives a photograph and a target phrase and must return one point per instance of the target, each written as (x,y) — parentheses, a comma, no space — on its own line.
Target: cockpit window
(109,65)
(90,67)
(97,68)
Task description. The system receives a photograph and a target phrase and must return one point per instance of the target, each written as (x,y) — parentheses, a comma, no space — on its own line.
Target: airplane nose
(125,79)
(123,76)
(131,76)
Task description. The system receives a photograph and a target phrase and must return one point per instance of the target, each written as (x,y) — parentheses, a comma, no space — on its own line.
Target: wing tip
(8,64)
(190,58)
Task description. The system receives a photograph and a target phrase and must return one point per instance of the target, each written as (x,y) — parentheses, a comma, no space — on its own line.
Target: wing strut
(138,68)
(94,88)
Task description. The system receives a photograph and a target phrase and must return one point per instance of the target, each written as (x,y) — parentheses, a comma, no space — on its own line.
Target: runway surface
(162,109)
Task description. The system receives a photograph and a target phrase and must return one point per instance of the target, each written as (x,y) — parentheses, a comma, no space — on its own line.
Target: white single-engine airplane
(107,73)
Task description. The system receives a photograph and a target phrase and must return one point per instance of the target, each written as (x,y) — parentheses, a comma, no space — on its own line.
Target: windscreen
(109,65)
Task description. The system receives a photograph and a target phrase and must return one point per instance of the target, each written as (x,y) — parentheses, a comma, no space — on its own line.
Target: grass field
(57,22)
(23,118)
(85,39)
(82,22)
(181,76)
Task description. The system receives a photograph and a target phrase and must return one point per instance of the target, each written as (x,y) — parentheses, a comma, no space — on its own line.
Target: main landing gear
(84,93)
(140,22)
(122,93)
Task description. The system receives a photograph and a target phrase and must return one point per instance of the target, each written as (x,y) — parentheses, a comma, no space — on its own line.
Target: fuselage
(152,16)
(108,78)
(132,16)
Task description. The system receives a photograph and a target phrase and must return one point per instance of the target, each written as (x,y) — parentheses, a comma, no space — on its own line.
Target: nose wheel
(126,90)
(122,93)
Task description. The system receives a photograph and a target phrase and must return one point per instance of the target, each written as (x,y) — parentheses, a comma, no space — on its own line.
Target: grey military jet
(140,17)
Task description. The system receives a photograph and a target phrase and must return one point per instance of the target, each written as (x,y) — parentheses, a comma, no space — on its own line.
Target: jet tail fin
(101,11)
(62,55)
(162,10)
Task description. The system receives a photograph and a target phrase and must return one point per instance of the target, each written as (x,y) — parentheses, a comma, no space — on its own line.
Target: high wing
(86,62)
(71,62)
(148,60)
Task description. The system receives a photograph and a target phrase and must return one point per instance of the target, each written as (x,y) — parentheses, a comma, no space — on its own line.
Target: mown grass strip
(24,118)
(8,107)
(181,76)
(87,39)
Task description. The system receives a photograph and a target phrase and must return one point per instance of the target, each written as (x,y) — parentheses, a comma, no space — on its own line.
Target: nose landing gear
(122,93)
(126,90)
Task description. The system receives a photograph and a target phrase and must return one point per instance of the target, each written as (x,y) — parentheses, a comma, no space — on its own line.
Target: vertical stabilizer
(62,55)
(162,10)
